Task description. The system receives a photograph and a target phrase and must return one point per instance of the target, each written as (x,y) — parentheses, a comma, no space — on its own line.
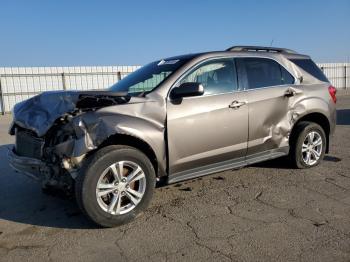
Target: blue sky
(77,32)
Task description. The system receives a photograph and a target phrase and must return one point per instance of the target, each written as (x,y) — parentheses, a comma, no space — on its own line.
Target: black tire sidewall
(91,174)
(305,129)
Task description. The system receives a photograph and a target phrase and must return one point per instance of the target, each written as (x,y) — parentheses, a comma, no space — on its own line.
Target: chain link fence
(20,83)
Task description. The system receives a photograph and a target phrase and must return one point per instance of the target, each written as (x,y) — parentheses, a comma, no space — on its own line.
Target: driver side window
(217,76)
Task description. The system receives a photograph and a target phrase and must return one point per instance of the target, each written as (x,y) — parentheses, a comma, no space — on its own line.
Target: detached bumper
(31,167)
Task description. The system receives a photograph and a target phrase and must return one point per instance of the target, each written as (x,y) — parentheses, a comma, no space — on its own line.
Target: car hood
(40,112)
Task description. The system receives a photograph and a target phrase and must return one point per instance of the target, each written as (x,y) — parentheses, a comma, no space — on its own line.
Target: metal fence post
(2,100)
(119,76)
(345,78)
(63,81)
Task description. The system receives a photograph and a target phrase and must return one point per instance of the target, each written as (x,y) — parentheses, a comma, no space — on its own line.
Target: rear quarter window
(309,66)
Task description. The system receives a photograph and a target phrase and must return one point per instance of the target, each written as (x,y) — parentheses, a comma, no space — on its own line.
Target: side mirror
(186,90)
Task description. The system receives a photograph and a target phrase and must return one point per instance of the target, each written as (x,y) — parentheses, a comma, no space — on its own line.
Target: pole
(2,100)
(345,80)
(63,81)
(119,76)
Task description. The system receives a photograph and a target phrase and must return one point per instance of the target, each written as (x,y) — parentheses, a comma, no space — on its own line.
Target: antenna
(271,42)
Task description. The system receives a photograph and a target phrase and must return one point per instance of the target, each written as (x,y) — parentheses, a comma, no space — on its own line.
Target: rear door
(267,84)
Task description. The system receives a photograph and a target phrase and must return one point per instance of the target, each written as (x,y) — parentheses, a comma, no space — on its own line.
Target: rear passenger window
(263,72)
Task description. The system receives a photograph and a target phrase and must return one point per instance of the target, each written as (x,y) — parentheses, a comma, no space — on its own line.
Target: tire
(299,152)
(99,177)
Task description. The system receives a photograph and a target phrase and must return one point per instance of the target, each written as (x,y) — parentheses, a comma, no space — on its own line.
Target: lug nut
(124,180)
(123,193)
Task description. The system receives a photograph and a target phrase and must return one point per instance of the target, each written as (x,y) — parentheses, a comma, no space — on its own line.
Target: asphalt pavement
(265,212)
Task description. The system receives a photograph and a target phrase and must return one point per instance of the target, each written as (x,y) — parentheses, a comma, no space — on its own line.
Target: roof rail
(261,49)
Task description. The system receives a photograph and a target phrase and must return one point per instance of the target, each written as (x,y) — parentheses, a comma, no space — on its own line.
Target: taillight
(333,91)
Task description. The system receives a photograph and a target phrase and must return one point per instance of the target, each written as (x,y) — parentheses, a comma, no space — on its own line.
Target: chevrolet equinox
(171,120)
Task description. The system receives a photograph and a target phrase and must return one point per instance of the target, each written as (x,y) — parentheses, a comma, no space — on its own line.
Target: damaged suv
(172,120)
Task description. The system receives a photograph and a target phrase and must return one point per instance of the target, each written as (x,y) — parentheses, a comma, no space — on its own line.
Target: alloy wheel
(121,187)
(312,148)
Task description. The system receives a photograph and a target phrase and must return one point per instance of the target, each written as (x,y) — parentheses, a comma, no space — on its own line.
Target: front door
(212,129)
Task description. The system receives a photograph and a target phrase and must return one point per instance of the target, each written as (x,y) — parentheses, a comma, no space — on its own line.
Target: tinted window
(263,72)
(287,78)
(309,66)
(218,76)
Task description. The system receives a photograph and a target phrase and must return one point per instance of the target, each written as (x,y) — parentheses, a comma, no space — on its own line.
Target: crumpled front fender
(93,128)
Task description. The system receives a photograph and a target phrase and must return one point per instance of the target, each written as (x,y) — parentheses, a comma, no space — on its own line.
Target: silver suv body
(174,119)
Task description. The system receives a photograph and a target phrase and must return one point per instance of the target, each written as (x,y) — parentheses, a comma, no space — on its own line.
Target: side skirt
(227,165)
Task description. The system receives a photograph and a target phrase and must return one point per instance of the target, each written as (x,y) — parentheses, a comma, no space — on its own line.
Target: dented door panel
(269,118)
(272,114)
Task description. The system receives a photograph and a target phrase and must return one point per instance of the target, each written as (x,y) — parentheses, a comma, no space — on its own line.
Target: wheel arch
(133,141)
(318,118)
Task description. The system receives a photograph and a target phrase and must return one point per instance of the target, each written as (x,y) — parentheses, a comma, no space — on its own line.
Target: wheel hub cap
(121,187)
(312,148)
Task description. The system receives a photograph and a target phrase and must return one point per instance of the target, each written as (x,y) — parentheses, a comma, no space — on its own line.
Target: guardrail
(18,84)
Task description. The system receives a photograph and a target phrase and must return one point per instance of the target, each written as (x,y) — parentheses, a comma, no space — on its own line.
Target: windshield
(148,77)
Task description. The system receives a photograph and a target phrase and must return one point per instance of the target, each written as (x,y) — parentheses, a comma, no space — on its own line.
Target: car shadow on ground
(284,163)
(278,163)
(22,201)
(343,117)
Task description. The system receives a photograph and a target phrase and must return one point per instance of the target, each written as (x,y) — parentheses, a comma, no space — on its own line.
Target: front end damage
(33,156)
(55,132)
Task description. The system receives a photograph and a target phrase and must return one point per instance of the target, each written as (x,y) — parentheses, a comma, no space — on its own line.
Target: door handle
(289,93)
(236,104)
(292,92)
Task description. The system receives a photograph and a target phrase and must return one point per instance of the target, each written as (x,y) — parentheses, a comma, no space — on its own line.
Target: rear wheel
(116,185)
(308,145)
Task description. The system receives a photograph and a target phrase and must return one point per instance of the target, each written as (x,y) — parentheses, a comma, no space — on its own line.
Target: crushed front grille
(28,145)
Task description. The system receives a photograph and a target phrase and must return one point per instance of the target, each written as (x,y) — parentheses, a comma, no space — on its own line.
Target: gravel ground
(266,212)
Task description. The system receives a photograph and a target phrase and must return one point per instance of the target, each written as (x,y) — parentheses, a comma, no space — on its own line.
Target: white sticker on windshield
(168,62)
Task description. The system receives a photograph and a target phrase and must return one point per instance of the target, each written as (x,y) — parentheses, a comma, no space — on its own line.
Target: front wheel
(308,145)
(116,185)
